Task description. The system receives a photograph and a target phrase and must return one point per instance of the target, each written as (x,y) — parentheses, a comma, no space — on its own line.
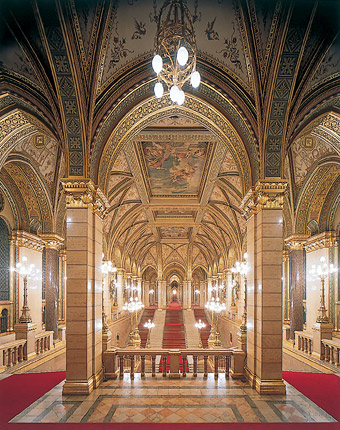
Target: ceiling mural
(175,168)
(174,232)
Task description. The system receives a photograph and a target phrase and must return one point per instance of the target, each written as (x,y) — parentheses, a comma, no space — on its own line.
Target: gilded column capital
(296,241)
(264,195)
(27,240)
(327,239)
(52,240)
(83,193)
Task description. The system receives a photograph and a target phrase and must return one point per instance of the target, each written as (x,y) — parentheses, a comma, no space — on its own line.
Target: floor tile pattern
(190,400)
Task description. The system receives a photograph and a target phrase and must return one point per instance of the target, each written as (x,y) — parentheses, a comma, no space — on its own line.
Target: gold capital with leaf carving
(296,241)
(52,240)
(83,193)
(264,195)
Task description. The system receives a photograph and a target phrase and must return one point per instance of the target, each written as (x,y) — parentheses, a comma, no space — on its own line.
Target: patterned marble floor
(192,400)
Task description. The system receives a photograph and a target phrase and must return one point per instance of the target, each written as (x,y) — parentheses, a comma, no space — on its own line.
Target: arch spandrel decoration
(314,192)
(150,110)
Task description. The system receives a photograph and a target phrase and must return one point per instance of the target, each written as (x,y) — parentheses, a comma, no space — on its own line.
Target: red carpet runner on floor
(17,392)
(322,389)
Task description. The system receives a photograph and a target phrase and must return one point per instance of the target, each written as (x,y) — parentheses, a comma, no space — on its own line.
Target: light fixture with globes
(175,51)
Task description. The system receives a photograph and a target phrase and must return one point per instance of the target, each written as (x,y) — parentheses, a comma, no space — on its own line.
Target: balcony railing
(219,360)
(13,352)
(331,351)
(304,342)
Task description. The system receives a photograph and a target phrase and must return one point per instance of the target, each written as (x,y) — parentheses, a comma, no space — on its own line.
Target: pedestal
(320,331)
(106,340)
(174,364)
(26,331)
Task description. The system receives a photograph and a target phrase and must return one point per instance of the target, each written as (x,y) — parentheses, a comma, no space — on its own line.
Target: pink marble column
(52,244)
(295,243)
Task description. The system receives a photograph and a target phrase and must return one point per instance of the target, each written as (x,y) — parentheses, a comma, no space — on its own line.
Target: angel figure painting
(175,168)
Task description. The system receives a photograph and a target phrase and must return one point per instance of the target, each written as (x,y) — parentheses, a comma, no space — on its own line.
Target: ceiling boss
(175,51)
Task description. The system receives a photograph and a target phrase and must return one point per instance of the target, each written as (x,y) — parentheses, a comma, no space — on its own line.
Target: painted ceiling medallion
(175,168)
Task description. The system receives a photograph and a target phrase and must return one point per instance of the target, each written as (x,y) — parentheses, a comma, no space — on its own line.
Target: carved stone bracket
(27,240)
(84,193)
(296,241)
(264,195)
(327,239)
(52,240)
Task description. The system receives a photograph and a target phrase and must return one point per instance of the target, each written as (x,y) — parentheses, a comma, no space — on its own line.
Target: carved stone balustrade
(304,342)
(331,351)
(43,341)
(116,361)
(12,353)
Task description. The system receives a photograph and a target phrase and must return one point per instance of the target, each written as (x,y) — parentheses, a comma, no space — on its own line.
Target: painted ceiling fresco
(174,232)
(175,168)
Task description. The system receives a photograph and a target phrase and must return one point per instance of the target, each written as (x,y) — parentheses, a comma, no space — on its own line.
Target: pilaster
(262,206)
(85,208)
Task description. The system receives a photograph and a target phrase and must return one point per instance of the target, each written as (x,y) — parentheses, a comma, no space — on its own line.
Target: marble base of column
(78,387)
(265,386)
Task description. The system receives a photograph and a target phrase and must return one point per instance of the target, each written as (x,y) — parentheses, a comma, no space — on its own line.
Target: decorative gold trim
(52,240)
(264,195)
(82,193)
(24,239)
(327,239)
(296,241)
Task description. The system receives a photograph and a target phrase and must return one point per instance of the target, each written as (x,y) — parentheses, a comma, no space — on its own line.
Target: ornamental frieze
(264,195)
(83,193)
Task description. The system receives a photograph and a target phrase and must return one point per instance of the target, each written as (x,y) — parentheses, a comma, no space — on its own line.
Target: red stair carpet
(174,334)
(204,332)
(143,331)
(321,388)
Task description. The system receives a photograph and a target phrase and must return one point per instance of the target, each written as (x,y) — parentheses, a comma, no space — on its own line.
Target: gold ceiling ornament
(175,50)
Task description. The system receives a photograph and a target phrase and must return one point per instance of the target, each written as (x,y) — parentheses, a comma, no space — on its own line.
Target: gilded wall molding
(326,239)
(264,195)
(23,239)
(83,193)
(52,240)
(296,241)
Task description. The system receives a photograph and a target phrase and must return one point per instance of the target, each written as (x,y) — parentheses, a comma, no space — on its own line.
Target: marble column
(85,207)
(161,294)
(146,288)
(296,243)
(120,288)
(262,206)
(52,245)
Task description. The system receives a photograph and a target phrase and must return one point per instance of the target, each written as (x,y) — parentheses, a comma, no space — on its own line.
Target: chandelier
(175,50)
